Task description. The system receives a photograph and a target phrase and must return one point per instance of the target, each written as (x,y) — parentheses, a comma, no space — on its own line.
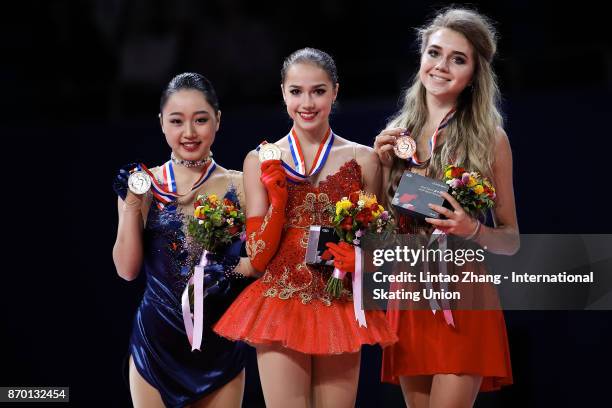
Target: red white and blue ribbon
(168,176)
(165,192)
(434,138)
(300,174)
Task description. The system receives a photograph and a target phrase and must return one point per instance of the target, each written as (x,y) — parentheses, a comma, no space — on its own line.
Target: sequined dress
(288,304)
(428,345)
(159,346)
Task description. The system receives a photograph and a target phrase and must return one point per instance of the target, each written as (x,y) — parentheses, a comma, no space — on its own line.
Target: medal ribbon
(434,138)
(168,176)
(166,191)
(299,174)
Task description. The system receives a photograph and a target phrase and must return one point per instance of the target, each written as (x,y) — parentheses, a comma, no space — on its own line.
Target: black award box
(415,192)
(316,250)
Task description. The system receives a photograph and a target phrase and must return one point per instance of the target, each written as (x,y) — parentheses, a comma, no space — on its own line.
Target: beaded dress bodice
(287,274)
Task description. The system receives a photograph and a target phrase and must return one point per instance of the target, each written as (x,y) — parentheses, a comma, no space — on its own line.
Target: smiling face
(189,123)
(447,64)
(309,94)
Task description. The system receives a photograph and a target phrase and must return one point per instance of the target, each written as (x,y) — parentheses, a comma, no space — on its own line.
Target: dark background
(82,81)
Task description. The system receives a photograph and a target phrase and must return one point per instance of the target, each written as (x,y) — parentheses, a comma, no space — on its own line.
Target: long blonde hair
(470,135)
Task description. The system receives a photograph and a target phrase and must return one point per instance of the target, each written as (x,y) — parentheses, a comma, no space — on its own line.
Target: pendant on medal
(139,182)
(405,147)
(269,151)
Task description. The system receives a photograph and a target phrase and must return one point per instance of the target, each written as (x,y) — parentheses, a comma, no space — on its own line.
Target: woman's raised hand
(383,145)
(274,179)
(120,185)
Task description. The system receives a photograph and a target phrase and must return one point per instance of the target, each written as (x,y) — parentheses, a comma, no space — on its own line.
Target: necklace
(190,163)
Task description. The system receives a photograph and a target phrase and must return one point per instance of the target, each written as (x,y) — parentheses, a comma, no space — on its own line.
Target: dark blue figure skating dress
(159,345)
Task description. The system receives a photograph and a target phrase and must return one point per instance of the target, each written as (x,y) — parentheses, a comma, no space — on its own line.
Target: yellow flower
(212,198)
(478,189)
(377,212)
(343,205)
(448,174)
(471,182)
(199,212)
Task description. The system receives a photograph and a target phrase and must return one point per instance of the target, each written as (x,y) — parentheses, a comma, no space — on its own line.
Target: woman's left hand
(215,280)
(457,221)
(344,256)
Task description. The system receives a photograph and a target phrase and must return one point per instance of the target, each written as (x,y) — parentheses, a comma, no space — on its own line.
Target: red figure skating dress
(288,305)
(428,345)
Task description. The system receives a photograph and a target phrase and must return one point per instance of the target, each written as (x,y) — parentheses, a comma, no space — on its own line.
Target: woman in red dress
(308,343)
(453,97)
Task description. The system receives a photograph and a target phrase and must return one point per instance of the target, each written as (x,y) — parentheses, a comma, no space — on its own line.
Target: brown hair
(469,136)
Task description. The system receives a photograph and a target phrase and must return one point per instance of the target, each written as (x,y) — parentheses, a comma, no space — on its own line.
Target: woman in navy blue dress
(151,237)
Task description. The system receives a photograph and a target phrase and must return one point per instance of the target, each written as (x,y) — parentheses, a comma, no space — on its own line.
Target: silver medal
(139,182)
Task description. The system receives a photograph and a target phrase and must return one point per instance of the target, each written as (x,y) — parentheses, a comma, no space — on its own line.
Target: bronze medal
(405,147)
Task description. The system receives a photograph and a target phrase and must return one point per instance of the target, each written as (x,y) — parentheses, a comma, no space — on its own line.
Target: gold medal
(269,151)
(139,182)
(405,147)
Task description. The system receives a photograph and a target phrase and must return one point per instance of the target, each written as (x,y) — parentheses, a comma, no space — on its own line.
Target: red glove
(344,256)
(274,179)
(264,233)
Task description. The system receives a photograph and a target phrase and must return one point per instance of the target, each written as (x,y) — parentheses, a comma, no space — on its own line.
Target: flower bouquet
(474,192)
(215,225)
(357,215)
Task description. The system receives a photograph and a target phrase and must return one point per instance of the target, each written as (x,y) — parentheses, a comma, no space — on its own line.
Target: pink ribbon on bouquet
(435,306)
(194,327)
(357,279)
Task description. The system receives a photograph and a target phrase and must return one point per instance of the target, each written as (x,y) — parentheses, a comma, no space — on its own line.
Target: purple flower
(356,241)
(465,178)
(359,233)
(456,183)
(384,215)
